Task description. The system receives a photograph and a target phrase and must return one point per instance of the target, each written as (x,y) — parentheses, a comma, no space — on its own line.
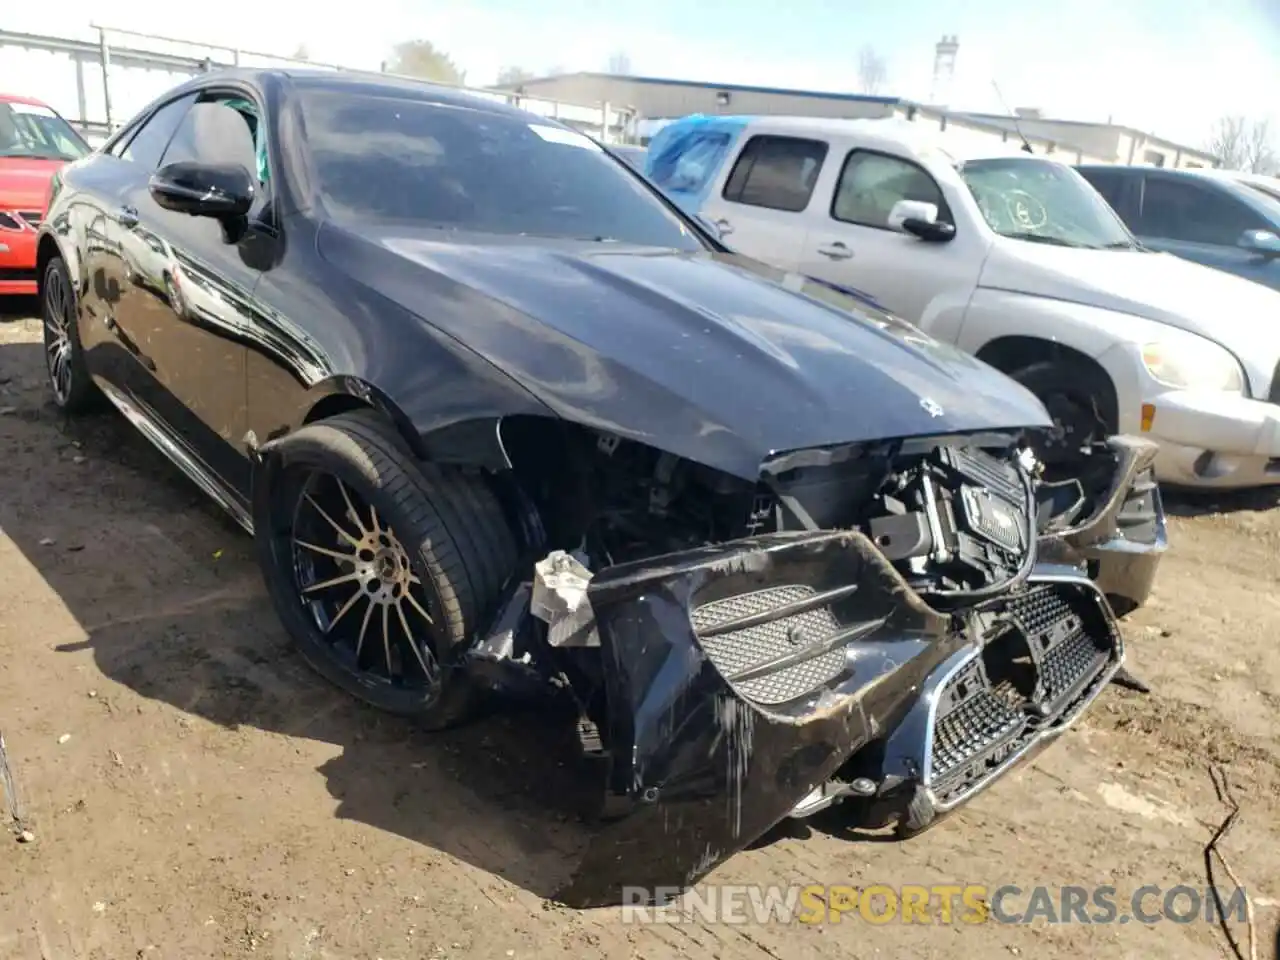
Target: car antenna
(1026,144)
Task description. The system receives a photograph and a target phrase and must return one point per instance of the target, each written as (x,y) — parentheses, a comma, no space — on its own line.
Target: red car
(34,142)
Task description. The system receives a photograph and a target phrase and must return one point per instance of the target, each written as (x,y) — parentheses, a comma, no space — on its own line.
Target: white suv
(1013,257)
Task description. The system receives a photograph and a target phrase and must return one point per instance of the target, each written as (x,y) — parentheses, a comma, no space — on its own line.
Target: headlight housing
(1193,363)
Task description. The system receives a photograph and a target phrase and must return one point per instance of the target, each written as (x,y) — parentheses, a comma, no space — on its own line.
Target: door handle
(836,251)
(127,216)
(724,226)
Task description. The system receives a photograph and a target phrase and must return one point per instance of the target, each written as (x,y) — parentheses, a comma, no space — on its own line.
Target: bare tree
(872,71)
(1243,144)
(619,62)
(510,76)
(420,58)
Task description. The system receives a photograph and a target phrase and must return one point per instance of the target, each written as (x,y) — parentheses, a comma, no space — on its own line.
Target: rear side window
(1192,213)
(689,160)
(776,172)
(871,183)
(147,146)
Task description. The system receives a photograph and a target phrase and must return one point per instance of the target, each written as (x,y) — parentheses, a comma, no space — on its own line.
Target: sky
(1171,67)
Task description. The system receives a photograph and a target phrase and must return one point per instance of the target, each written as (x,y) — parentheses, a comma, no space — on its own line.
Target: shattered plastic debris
(560,583)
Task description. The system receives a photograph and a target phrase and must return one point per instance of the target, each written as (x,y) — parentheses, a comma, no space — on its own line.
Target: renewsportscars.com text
(938,903)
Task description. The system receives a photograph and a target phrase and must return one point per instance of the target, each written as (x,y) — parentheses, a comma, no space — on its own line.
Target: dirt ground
(192,790)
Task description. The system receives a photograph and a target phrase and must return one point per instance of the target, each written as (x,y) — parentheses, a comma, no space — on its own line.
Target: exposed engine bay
(958,516)
(926,610)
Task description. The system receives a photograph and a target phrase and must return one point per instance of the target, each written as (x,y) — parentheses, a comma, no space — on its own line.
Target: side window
(776,172)
(1178,210)
(871,183)
(1109,183)
(147,145)
(221,129)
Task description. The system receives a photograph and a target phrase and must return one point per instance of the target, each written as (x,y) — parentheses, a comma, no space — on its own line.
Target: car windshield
(1044,202)
(31,130)
(470,168)
(632,155)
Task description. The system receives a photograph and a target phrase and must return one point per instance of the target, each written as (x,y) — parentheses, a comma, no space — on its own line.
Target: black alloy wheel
(359,586)
(381,567)
(73,389)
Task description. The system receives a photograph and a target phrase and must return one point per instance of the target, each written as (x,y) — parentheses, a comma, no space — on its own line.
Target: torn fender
(739,677)
(1122,540)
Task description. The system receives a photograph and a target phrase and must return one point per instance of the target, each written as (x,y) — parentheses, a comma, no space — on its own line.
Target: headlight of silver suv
(1193,363)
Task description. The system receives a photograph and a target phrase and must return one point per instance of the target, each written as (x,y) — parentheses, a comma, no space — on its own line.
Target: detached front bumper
(1216,439)
(770,677)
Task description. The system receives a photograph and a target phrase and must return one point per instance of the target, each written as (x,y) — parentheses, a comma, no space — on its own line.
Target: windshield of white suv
(31,130)
(1044,202)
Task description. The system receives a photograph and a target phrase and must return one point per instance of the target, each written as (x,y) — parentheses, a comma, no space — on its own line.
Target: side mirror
(1263,242)
(219,190)
(905,210)
(710,226)
(920,219)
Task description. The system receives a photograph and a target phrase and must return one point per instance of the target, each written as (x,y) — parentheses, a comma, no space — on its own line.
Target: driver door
(850,241)
(191,305)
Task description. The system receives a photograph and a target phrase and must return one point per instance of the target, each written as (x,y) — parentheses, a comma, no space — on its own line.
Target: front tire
(382,568)
(73,388)
(1082,403)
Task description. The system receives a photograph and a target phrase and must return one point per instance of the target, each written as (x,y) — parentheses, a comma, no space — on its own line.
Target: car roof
(15,98)
(902,135)
(1240,176)
(368,84)
(1231,182)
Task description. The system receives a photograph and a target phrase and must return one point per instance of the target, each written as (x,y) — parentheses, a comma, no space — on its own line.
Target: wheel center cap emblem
(386,567)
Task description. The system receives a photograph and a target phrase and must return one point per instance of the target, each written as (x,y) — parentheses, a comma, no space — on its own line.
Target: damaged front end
(890,627)
(1109,519)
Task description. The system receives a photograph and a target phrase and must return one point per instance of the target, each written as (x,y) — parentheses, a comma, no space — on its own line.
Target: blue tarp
(685,155)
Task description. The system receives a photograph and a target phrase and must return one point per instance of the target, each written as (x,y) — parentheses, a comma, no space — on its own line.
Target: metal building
(654,100)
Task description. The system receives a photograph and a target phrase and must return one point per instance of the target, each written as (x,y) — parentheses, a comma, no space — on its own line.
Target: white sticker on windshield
(567,137)
(32,110)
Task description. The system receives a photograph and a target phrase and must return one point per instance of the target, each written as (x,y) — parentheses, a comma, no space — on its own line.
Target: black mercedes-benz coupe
(501,418)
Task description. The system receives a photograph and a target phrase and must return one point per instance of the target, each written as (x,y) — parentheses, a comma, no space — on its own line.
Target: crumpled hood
(712,357)
(1241,315)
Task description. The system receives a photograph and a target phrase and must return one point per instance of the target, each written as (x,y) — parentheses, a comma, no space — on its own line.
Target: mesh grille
(976,719)
(1040,609)
(1070,661)
(979,723)
(741,649)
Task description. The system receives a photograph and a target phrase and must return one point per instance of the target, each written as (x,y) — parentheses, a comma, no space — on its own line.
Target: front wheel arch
(470,443)
(47,249)
(1016,355)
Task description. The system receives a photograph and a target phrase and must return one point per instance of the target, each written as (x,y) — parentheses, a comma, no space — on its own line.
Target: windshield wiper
(1120,245)
(1045,238)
